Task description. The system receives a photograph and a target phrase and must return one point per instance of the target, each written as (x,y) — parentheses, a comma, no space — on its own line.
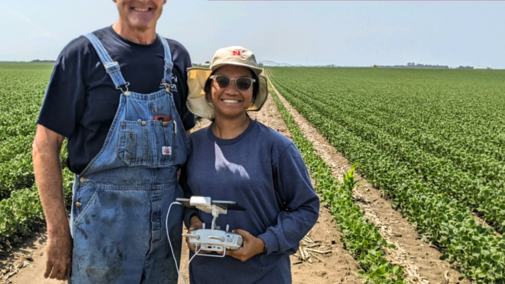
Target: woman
(242,160)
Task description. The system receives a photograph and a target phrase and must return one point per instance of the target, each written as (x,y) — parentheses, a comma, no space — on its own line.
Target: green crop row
(481,165)
(14,146)
(21,95)
(360,237)
(438,217)
(21,213)
(464,109)
(16,173)
(486,197)
(23,86)
(23,128)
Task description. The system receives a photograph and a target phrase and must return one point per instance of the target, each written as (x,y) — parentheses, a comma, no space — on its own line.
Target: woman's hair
(208,87)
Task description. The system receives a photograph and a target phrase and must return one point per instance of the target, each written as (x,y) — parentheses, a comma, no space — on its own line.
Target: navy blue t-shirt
(81,99)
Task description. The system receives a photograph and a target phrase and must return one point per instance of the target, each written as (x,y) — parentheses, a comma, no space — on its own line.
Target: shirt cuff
(270,241)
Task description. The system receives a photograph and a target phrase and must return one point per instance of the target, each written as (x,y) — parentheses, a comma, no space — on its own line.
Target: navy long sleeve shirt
(265,173)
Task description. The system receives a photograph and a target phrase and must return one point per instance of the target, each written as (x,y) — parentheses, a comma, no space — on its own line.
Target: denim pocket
(132,144)
(85,198)
(128,147)
(147,143)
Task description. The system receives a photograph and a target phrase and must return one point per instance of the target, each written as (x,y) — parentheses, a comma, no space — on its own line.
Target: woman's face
(230,102)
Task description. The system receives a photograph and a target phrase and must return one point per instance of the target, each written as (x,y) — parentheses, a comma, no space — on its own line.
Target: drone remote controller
(213,239)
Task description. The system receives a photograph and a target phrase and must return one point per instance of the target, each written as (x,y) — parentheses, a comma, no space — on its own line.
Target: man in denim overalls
(118,94)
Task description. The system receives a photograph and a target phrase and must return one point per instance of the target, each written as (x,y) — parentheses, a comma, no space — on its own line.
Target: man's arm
(46,163)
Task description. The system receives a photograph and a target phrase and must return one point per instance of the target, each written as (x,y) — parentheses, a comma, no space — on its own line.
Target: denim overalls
(121,199)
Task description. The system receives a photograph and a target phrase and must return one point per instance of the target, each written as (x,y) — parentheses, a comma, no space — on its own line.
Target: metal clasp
(127,91)
(166,85)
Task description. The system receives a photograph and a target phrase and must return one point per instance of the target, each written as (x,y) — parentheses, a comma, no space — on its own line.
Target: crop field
(21,94)
(431,140)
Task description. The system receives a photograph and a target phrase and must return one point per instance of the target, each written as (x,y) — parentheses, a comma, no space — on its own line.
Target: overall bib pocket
(84,200)
(147,143)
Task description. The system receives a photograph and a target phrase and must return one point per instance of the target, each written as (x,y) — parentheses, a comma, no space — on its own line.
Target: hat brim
(198,105)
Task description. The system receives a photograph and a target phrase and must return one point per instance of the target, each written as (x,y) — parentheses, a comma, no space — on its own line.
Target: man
(119,96)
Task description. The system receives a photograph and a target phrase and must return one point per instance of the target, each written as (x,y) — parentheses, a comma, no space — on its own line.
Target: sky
(343,33)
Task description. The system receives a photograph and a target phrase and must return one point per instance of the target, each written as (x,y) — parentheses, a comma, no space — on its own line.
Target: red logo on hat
(236,53)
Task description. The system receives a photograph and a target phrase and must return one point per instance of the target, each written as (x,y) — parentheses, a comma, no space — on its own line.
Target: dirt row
(333,264)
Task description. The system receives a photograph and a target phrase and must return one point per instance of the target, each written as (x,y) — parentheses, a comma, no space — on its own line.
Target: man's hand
(251,247)
(59,256)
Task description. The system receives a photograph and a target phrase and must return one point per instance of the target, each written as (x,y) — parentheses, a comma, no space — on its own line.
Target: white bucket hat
(233,55)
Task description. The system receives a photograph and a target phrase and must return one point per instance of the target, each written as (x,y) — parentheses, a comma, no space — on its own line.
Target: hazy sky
(344,33)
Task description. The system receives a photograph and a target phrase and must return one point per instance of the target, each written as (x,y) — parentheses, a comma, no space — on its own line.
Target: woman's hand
(194,224)
(251,246)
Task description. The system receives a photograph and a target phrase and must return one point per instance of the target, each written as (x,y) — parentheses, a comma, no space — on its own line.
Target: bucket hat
(233,55)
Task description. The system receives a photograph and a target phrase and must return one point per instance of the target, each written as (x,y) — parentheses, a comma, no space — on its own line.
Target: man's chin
(141,24)
(140,27)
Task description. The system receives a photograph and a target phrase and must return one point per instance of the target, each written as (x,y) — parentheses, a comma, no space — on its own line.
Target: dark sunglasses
(242,83)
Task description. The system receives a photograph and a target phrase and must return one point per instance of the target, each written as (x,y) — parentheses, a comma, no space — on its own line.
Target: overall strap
(169,65)
(111,67)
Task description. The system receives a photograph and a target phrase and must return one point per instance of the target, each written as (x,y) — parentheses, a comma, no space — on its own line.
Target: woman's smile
(230,101)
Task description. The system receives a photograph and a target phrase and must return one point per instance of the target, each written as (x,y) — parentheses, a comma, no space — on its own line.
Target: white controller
(212,239)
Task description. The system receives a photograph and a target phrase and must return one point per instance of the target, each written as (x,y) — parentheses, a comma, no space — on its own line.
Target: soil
(332,264)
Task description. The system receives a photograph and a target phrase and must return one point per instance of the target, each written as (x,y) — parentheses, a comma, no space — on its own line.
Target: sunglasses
(242,83)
